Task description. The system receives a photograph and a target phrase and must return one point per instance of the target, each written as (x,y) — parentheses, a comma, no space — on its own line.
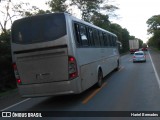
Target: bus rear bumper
(51,89)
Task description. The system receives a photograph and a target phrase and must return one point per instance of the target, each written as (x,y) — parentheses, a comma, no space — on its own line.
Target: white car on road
(139,56)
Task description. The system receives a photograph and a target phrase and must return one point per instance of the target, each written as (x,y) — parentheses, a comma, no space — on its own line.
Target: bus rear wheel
(100,79)
(117,68)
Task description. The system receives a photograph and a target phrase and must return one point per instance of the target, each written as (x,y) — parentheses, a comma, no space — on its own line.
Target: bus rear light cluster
(16,73)
(72,66)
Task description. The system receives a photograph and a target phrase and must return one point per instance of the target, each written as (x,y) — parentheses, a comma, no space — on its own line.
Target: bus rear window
(38,29)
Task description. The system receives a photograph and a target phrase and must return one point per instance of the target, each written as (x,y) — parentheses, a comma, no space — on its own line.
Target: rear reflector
(73,75)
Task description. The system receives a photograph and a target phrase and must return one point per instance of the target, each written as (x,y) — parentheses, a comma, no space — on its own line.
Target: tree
(101,20)
(132,37)
(90,7)
(140,43)
(9,11)
(7,78)
(87,7)
(153,24)
(109,8)
(125,39)
(116,29)
(154,30)
(37,12)
(5,13)
(58,5)
(152,42)
(122,34)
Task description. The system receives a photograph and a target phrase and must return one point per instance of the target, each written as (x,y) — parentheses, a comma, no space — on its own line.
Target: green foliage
(57,5)
(5,42)
(153,42)
(87,7)
(100,20)
(125,40)
(153,24)
(10,10)
(154,30)
(140,43)
(6,72)
(122,34)
(39,12)
(132,37)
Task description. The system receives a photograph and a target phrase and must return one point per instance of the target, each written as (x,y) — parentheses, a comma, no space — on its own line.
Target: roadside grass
(155,49)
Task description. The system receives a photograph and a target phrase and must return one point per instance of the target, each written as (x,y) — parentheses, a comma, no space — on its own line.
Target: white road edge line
(15,104)
(155,71)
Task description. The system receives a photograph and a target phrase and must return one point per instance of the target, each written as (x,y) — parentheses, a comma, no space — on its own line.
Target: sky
(133,14)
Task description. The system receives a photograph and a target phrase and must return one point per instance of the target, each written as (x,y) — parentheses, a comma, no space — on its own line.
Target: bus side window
(101,38)
(105,39)
(90,34)
(114,41)
(83,36)
(96,38)
(88,37)
(77,33)
(109,40)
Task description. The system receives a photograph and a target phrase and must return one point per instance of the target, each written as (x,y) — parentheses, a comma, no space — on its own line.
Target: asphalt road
(134,87)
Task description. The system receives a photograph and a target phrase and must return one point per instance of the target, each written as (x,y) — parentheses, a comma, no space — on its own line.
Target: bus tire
(117,68)
(100,79)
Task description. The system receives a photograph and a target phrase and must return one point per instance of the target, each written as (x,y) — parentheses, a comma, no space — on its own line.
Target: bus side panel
(88,63)
(110,60)
(89,75)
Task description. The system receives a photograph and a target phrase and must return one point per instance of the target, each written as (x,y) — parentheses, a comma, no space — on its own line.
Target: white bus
(57,54)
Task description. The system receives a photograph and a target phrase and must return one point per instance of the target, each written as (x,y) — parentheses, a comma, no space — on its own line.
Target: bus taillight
(16,73)
(18,81)
(72,66)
